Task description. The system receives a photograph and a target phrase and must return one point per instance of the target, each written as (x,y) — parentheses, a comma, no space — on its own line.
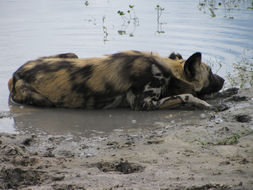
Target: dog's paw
(221,107)
(229,92)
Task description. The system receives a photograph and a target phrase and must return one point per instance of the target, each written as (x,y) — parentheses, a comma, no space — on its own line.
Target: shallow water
(88,122)
(29,29)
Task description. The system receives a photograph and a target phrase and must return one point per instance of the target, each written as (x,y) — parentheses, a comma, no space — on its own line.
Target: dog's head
(201,76)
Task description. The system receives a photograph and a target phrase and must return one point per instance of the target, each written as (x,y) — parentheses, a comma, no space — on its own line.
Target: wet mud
(119,166)
(197,150)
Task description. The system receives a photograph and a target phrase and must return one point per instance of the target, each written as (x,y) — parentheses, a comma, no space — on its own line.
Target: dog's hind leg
(23,92)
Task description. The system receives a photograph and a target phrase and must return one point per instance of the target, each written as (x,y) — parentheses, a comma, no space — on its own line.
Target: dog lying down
(139,80)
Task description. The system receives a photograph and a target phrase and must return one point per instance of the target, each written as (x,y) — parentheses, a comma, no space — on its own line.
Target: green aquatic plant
(215,64)
(121,13)
(159,10)
(129,15)
(209,5)
(212,12)
(128,18)
(104,27)
(86,3)
(201,142)
(234,139)
(250,7)
(212,6)
(131,6)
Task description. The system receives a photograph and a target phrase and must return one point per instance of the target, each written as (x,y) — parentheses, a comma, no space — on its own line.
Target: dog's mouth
(215,85)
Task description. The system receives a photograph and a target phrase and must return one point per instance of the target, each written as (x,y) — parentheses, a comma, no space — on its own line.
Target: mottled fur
(140,80)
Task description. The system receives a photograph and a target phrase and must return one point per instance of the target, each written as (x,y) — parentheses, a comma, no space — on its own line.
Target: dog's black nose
(218,82)
(220,79)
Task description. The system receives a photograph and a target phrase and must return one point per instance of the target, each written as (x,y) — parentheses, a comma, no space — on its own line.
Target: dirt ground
(213,151)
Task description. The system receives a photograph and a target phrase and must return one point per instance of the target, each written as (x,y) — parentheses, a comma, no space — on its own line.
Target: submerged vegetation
(212,6)
(234,139)
(242,75)
(105,32)
(129,15)
(128,18)
(159,12)
(86,3)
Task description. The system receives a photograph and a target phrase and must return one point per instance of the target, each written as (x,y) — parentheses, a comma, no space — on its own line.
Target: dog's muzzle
(215,84)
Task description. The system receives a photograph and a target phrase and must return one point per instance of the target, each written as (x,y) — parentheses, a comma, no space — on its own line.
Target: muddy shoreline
(211,151)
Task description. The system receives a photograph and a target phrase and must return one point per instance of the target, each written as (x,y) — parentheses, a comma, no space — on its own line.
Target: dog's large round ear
(192,64)
(175,56)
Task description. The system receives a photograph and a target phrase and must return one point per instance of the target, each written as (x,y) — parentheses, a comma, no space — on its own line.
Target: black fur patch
(62,56)
(138,81)
(102,100)
(42,67)
(126,61)
(158,74)
(149,93)
(109,89)
(67,55)
(177,86)
(80,86)
(175,56)
(60,102)
(84,72)
(155,83)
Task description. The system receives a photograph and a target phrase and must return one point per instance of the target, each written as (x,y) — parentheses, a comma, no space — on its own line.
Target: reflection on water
(84,122)
(7,125)
(30,29)
(159,10)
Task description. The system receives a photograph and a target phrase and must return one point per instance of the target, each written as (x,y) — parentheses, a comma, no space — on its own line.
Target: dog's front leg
(148,103)
(177,100)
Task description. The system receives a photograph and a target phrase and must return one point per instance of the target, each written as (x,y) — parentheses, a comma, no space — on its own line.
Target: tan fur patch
(57,81)
(10,84)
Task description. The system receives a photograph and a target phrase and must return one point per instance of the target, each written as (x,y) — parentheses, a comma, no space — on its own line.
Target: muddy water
(29,29)
(30,120)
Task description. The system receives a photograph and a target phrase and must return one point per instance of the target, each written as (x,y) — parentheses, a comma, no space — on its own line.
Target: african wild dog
(140,80)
